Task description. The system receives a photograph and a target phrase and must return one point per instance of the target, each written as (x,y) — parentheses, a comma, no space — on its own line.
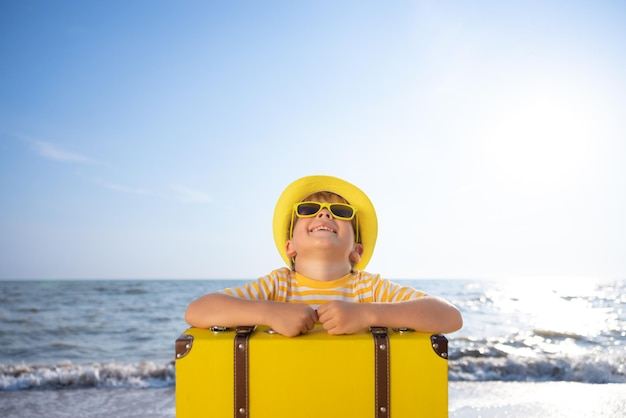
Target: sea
(112,341)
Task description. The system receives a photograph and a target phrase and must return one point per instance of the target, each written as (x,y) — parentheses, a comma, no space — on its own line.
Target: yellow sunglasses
(341,211)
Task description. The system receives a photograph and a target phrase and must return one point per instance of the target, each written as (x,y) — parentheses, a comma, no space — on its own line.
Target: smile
(323,228)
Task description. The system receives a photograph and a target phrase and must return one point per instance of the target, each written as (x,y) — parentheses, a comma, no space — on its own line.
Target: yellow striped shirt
(285,285)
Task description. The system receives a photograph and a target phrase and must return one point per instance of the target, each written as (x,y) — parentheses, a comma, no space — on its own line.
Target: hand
(292,319)
(340,317)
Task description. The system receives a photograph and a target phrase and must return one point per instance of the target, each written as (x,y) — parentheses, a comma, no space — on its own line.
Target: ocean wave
(468,364)
(546,333)
(499,364)
(66,375)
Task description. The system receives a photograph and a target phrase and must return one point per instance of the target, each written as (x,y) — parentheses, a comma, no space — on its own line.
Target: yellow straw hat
(305,186)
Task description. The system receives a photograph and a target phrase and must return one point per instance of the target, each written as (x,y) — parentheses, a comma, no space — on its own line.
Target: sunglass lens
(308,209)
(341,211)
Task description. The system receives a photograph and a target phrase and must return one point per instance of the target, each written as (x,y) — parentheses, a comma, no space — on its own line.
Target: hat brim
(305,186)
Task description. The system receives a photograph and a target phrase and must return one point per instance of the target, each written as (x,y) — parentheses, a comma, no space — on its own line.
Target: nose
(324,213)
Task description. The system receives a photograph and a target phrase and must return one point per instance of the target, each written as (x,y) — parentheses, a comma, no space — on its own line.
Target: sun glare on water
(555,306)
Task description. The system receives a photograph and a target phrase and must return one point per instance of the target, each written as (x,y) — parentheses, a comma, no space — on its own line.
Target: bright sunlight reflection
(554,306)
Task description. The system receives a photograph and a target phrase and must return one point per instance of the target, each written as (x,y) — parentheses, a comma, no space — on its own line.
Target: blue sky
(151,139)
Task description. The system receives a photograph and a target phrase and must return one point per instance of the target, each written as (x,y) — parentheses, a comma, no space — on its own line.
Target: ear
(356,253)
(289,249)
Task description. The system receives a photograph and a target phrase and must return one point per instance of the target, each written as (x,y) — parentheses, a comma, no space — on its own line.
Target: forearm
(426,314)
(224,310)
(289,319)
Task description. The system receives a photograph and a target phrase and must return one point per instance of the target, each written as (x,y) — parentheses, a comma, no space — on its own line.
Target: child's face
(324,234)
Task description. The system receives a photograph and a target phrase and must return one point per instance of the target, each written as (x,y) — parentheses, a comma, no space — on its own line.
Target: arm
(425,314)
(289,319)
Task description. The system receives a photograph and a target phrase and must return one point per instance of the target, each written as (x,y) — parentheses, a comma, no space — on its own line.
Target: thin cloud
(52,152)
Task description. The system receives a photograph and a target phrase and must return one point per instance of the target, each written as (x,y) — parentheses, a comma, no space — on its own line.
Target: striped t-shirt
(285,285)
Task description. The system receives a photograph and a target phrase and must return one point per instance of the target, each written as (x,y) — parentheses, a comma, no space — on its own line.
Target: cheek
(299,227)
(348,229)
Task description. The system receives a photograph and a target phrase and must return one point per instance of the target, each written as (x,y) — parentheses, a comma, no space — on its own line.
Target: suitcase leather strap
(242,335)
(381,367)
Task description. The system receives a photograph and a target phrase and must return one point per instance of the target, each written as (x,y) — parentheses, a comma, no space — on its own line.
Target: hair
(323,196)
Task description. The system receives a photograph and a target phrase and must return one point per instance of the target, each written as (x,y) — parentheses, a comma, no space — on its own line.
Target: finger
(329,325)
(322,309)
(322,314)
(307,323)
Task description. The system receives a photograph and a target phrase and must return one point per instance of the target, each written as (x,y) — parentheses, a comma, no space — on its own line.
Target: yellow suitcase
(248,372)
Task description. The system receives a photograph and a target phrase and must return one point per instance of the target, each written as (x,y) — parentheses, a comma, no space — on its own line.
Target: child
(324,228)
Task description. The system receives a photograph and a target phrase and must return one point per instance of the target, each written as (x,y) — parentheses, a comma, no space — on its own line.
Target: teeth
(322,228)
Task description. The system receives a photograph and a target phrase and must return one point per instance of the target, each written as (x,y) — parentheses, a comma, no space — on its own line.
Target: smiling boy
(325,229)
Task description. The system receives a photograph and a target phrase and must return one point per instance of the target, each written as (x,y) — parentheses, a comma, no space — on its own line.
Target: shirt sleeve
(387,291)
(264,288)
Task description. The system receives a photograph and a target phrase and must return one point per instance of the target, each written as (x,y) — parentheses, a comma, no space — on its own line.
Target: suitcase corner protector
(440,345)
(183,345)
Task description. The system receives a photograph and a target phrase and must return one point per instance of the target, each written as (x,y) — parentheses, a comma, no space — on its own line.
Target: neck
(323,272)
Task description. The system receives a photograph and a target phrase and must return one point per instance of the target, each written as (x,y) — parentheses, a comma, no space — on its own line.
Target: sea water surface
(105,334)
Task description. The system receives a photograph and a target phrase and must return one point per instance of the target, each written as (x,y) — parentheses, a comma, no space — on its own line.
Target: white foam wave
(464,365)
(497,365)
(66,375)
